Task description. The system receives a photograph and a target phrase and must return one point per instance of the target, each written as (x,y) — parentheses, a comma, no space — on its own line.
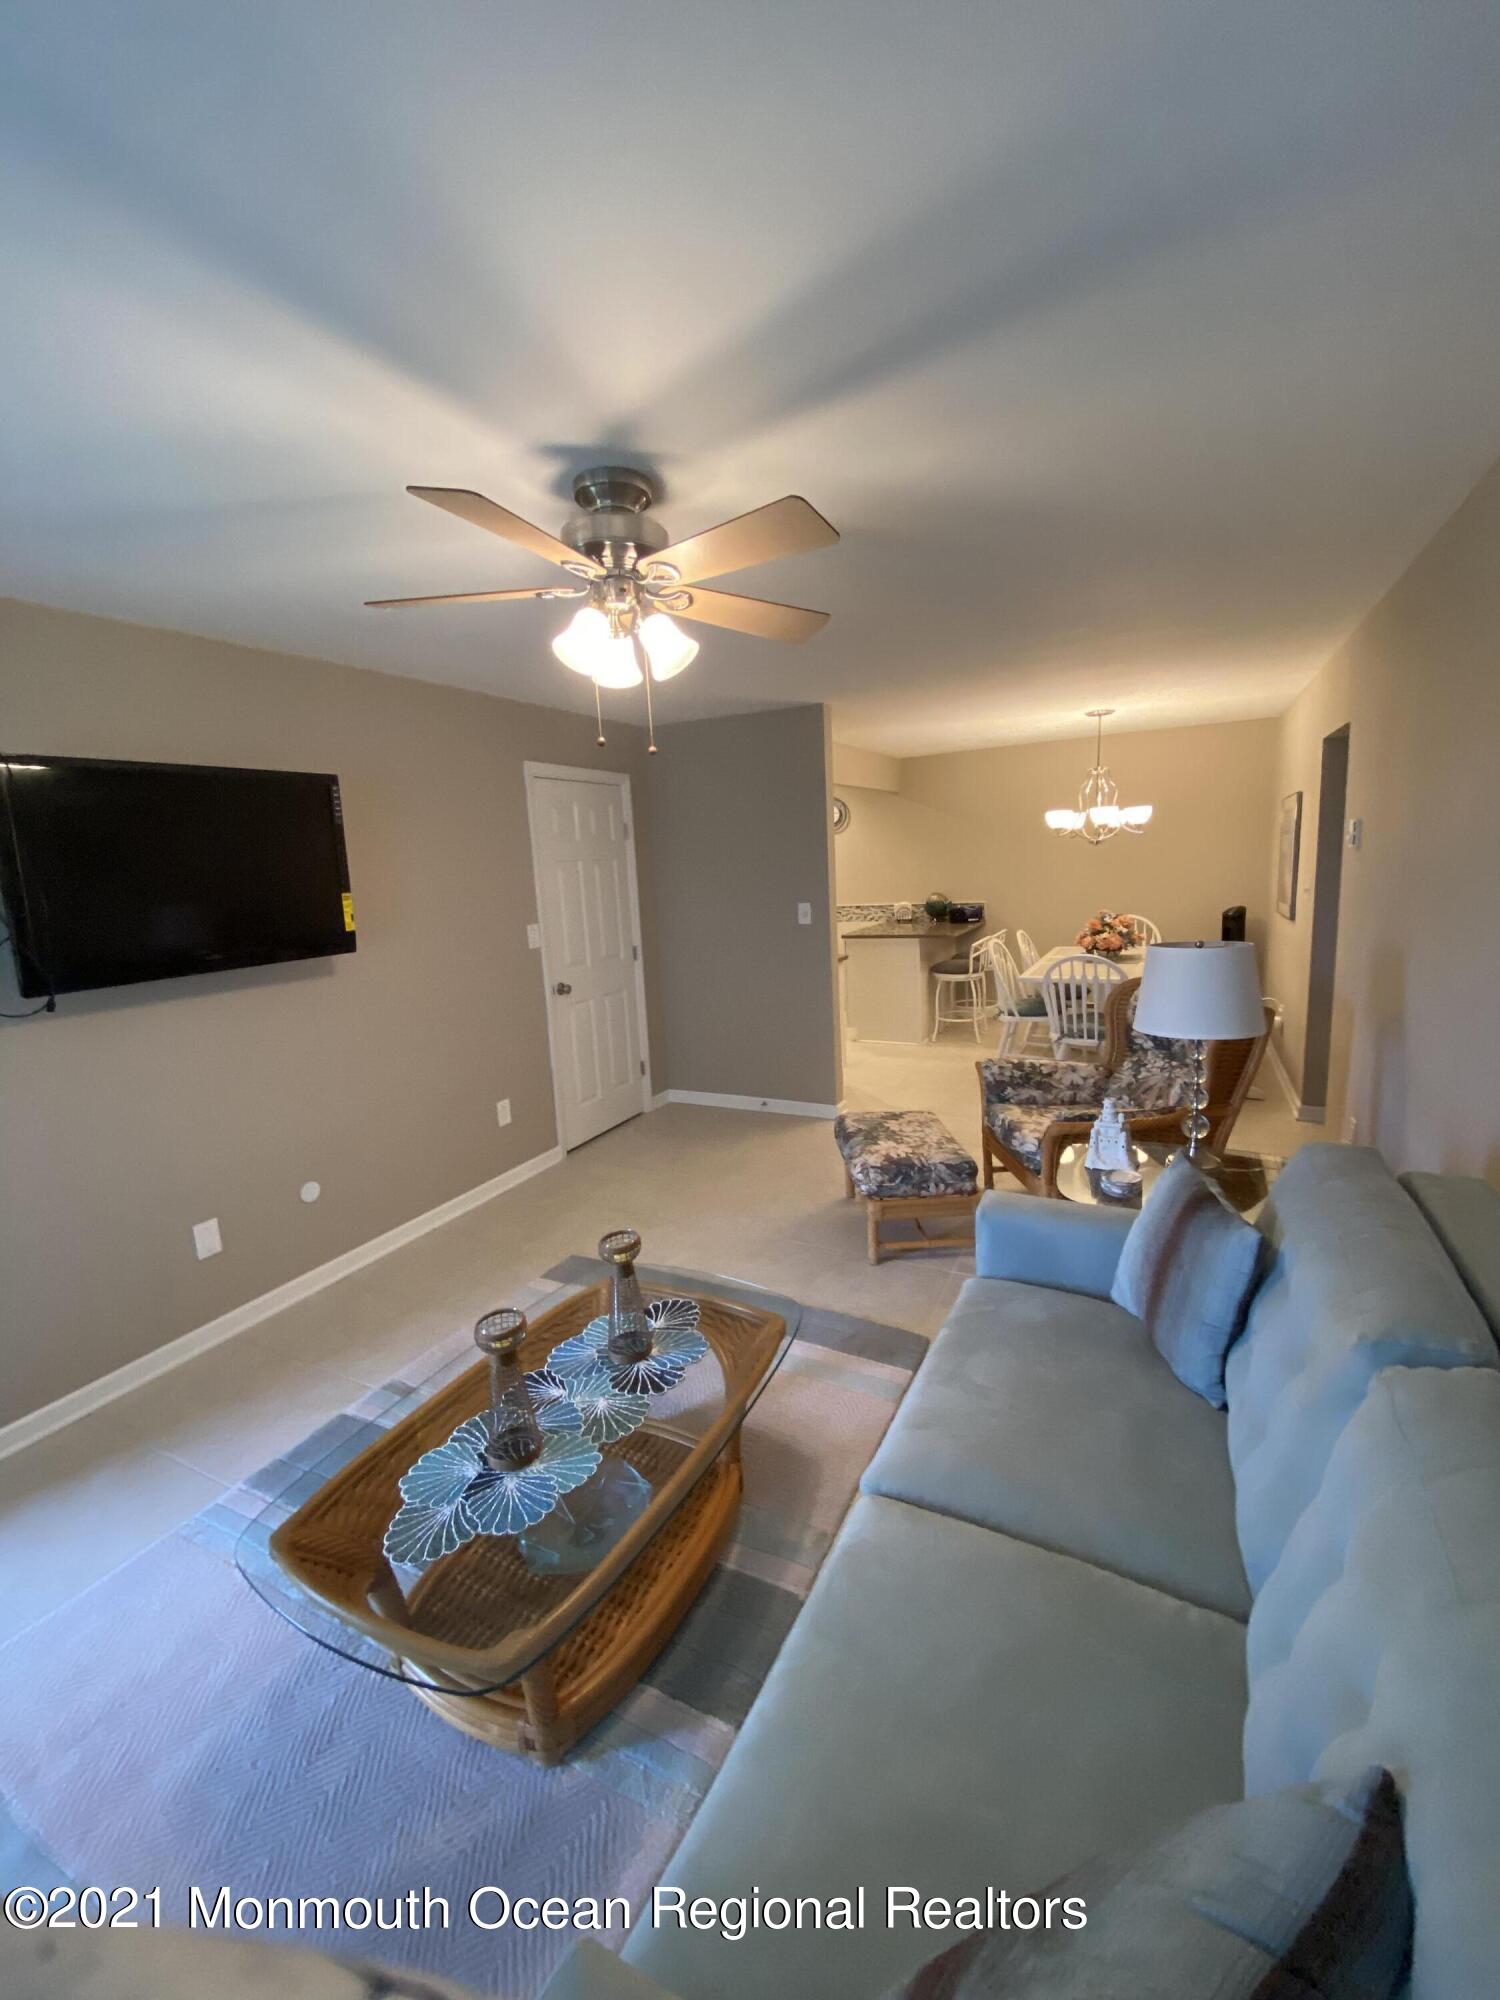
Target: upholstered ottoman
(908,1166)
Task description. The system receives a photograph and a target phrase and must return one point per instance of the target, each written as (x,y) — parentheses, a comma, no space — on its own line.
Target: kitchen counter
(918,927)
(889,997)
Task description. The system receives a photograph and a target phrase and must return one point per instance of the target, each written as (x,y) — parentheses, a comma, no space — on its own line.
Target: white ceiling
(1135,348)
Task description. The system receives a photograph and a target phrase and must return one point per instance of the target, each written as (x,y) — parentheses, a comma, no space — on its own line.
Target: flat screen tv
(114,873)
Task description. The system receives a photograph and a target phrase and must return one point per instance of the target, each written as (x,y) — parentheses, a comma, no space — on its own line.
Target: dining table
(1131,963)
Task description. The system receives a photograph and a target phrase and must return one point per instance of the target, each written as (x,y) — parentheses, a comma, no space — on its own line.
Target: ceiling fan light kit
(631,578)
(1098,816)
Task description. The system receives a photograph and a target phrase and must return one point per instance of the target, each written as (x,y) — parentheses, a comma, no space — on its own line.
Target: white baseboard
(120,1381)
(723,1101)
(1288,1090)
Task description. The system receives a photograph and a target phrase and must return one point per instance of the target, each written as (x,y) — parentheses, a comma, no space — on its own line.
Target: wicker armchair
(1030,1109)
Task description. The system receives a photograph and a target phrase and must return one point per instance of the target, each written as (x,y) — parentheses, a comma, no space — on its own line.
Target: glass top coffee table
(1245,1178)
(527,1639)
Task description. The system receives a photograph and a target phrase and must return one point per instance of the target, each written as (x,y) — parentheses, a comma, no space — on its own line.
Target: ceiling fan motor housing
(614,527)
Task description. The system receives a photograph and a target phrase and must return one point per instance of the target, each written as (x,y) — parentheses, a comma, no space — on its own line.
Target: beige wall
(132,1114)
(970,825)
(1419,950)
(741,828)
(871,770)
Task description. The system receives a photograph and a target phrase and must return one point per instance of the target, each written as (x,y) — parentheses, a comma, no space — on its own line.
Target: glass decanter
(629,1329)
(515,1434)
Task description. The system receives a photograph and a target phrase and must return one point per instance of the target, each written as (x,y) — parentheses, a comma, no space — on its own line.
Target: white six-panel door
(581,846)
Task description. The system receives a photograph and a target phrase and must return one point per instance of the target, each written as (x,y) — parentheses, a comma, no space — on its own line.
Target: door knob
(562,986)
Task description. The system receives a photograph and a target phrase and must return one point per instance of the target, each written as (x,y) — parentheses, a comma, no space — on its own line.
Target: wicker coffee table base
(577,1684)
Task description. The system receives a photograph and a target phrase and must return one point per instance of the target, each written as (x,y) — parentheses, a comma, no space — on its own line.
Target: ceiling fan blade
(788,527)
(755,615)
(469,597)
(500,521)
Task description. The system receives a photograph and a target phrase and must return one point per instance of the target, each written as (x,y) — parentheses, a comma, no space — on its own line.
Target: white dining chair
(1150,933)
(1020,1010)
(964,980)
(1074,993)
(1025,953)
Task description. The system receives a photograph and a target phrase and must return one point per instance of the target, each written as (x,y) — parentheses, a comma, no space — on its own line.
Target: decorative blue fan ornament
(608,1413)
(454,1493)
(581,1400)
(675,1344)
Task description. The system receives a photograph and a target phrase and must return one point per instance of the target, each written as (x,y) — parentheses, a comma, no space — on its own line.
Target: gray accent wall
(742,828)
(132,1114)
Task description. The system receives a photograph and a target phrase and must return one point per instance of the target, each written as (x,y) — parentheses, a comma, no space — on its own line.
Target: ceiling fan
(631,579)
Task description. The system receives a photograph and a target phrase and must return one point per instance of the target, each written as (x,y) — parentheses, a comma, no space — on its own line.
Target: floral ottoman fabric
(893,1153)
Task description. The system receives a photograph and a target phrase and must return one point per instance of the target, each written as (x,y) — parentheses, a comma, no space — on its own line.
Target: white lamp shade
(585,645)
(1201,993)
(615,664)
(579,640)
(668,647)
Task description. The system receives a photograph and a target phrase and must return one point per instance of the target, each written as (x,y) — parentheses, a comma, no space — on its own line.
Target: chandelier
(1098,816)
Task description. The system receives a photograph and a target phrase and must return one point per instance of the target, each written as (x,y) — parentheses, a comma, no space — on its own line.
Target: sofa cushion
(1051,1416)
(1186,1273)
(1464,1215)
(1376,1639)
(952,1710)
(1356,1282)
(1295,1894)
(1073,1246)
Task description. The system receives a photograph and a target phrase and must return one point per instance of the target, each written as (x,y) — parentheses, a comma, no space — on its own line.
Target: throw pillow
(1296,1895)
(1187,1269)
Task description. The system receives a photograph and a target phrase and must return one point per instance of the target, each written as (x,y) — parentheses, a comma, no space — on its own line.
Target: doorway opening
(1327,881)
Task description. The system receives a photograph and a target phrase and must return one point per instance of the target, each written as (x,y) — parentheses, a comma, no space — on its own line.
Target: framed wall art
(1288,849)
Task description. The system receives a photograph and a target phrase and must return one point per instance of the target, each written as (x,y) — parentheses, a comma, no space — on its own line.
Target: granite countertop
(918,927)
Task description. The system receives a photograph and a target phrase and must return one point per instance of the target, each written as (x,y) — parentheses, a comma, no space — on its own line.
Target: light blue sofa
(1029,1641)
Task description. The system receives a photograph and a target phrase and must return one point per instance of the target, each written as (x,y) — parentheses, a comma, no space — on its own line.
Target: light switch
(207,1241)
(534,937)
(804,913)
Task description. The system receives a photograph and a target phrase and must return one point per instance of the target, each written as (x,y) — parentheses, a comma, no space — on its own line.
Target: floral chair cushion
(1035,1080)
(1156,1075)
(893,1153)
(1020,1128)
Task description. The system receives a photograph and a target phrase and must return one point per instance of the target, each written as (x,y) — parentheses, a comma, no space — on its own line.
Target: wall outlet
(534,937)
(1354,832)
(502,1111)
(207,1242)
(804,913)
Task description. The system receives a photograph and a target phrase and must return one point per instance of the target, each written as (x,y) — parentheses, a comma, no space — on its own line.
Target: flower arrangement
(1109,934)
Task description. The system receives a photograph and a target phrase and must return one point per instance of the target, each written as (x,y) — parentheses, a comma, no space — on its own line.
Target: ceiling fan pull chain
(598,714)
(646,677)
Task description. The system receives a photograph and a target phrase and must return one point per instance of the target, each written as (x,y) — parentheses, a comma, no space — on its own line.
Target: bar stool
(966,981)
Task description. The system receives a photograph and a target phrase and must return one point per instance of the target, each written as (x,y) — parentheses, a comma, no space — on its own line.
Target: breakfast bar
(888,975)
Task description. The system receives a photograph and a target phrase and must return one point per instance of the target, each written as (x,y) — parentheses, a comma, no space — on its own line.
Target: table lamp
(1200,993)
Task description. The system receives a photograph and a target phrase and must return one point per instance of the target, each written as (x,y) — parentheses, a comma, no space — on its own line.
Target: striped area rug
(168,1730)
